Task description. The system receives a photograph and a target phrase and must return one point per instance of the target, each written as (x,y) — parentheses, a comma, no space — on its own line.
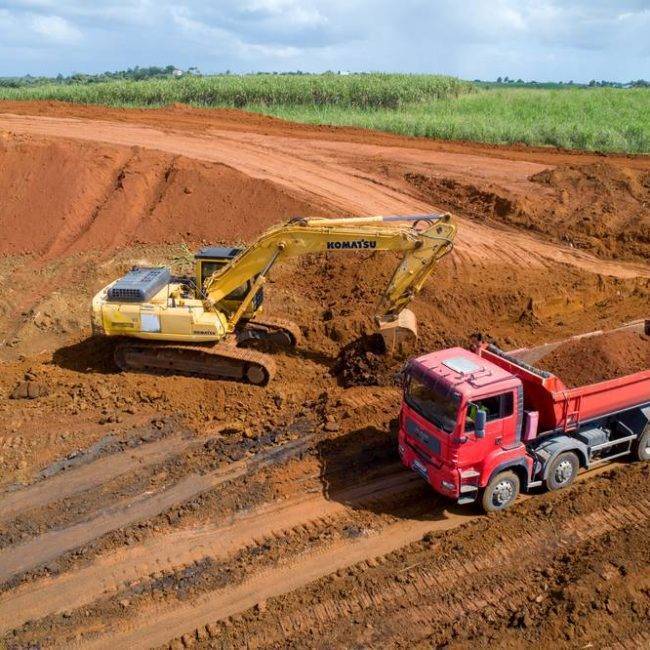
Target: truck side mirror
(479,424)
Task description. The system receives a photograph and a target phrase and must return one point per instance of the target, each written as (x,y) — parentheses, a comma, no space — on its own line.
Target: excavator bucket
(399,332)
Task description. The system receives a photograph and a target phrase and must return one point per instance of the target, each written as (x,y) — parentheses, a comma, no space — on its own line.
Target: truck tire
(500,493)
(562,471)
(641,448)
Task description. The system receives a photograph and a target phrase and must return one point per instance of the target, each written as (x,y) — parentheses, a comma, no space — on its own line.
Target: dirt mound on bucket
(598,358)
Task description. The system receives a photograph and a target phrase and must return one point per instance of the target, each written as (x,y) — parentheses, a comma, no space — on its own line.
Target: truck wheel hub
(503,493)
(563,471)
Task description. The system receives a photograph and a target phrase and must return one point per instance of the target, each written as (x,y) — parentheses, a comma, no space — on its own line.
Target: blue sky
(532,39)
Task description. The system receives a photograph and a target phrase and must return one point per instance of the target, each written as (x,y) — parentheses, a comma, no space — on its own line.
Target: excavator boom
(422,246)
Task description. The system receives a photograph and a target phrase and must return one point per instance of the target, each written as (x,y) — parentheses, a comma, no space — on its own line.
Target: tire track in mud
(155,628)
(425,583)
(183,547)
(35,552)
(92,474)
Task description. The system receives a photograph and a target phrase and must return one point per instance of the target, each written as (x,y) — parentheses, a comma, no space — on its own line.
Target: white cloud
(294,12)
(541,39)
(56,29)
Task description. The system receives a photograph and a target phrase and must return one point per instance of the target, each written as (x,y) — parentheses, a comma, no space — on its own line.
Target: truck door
(499,426)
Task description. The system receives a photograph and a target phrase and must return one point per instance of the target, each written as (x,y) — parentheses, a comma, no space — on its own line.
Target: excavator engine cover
(399,332)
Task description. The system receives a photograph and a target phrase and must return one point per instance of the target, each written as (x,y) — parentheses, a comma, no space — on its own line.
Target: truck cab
(461,419)
(479,427)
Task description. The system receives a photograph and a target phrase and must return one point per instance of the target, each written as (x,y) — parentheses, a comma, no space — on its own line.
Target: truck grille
(430,442)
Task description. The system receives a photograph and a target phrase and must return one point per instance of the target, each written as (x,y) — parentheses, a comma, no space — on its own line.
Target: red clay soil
(88,192)
(598,206)
(331,175)
(598,358)
(64,196)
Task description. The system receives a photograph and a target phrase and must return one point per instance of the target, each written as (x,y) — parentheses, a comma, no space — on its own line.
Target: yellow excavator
(195,325)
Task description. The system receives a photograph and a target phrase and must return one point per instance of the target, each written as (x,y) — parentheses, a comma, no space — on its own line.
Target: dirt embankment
(597,358)
(63,196)
(600,207)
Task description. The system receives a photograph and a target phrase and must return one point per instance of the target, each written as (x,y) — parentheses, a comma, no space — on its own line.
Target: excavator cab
(210,259)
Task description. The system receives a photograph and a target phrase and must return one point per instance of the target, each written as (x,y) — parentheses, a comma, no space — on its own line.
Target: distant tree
(499,80)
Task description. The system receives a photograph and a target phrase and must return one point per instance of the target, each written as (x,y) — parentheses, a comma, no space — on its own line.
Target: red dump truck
(480,427)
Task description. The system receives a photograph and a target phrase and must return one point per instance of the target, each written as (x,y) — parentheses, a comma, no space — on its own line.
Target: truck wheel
(641,449)
(501,492)
(562,471)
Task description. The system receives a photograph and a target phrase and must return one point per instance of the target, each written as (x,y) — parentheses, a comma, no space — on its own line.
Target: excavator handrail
(394,218)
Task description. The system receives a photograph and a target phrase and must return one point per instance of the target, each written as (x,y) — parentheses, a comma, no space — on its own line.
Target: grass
(602,119)
(596,119)
(361,91)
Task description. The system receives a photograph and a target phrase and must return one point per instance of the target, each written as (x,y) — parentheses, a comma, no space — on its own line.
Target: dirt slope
(336,177)
(63,197)
(599,207)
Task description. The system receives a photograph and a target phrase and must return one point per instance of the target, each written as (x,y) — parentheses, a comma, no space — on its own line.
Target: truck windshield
(437,406)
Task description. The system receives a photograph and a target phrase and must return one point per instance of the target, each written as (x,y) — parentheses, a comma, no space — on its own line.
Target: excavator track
(278,330)
(220,361)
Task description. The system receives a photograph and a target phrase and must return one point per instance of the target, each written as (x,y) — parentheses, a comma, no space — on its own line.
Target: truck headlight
(447,485)
(401,450)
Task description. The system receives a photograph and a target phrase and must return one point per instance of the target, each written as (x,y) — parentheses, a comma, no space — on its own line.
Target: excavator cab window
(211,259)
(209,267)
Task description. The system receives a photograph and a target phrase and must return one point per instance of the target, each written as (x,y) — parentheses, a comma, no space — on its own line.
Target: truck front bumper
(442,479)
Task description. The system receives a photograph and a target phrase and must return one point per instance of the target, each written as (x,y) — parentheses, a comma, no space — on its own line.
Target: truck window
(496,407)
(440,406)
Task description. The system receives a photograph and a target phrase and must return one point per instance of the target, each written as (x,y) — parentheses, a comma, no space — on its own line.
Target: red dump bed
(563,408)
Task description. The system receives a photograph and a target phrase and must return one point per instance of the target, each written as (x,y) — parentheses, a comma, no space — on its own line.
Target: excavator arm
(426,240)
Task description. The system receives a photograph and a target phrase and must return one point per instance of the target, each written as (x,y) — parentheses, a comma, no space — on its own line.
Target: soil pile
(600,207)
(598,358)
(66,196)
(364,362)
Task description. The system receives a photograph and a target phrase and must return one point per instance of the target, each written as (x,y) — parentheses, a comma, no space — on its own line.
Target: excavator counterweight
(197,325)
